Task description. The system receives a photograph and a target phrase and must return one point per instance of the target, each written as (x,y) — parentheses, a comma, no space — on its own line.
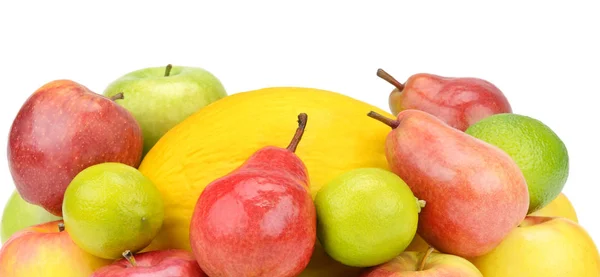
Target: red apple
(424,264)
(159,263)
(61,129)
(46,250)
(458,101)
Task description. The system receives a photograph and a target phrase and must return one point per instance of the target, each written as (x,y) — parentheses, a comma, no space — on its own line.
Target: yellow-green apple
(158,263)
(18,215)
(424,264)
(61,129)
(543,246)
(418,244)
(160,97)
(559,207)
(46,250)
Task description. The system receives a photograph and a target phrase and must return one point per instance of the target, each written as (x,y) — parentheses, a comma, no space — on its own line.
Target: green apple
(161,97)
(19,214)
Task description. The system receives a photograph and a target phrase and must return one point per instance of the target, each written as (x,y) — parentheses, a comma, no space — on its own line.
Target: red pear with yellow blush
(475,193)
(259,220)
(458,101)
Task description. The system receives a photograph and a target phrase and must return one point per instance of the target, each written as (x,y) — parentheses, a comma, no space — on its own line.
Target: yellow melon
(339,136)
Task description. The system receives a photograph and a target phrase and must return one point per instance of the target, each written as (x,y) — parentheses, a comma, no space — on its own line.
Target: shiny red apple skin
(43,250)
(459,102)
(259,220)
(436,265)
(158,263)
(61,129)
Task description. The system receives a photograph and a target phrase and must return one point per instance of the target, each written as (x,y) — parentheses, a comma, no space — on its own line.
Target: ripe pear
(475,193)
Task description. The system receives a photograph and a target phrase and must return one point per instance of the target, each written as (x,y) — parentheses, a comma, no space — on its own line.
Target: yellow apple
(560,206)
(46,250)
(418,244)
(424,264)
(543,247)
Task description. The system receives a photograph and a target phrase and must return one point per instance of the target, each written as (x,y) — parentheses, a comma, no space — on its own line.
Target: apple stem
(168,70)
(61,226)
(420,204)
(129,257)
(388,78)
(302,118)
(388,121)
(424,260)
(117,96)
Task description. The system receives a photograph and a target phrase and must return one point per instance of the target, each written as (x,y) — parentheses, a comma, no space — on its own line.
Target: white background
(543,56)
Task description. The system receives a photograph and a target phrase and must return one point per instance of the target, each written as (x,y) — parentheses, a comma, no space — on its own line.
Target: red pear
(61,129)
(258,220)
(458,101)
(475,193)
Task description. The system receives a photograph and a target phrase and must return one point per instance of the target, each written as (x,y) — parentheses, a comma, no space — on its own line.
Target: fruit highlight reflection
(258,220)
(165,174)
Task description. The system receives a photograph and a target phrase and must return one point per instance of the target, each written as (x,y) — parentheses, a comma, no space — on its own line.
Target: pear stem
(61,227)
(424,260)
(388,78)
(302,118)
(388,121)
(168,70)
(129,257)
(117,96)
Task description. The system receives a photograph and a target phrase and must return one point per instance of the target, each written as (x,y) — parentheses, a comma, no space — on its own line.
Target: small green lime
(111,207)
(536,149)
(366,216)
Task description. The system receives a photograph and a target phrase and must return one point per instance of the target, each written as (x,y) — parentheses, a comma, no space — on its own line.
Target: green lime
(536,149)
(366,216)
(111,207)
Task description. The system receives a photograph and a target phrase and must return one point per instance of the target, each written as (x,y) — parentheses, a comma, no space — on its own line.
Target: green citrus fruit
(18,214)
(366,216)
(536,149)
(111,207)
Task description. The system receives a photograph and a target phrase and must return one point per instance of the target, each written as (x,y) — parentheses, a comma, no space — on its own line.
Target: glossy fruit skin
(160,102)
(61,129)
(221,136)
(366,217)
(535,147)
(437,265)
(111,207)
(543,246)
(259,220)
(42,250)
(18,215)
(163,263)
(475,193)
(459,102)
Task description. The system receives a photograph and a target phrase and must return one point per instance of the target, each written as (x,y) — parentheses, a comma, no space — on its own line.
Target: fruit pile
(165,174)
